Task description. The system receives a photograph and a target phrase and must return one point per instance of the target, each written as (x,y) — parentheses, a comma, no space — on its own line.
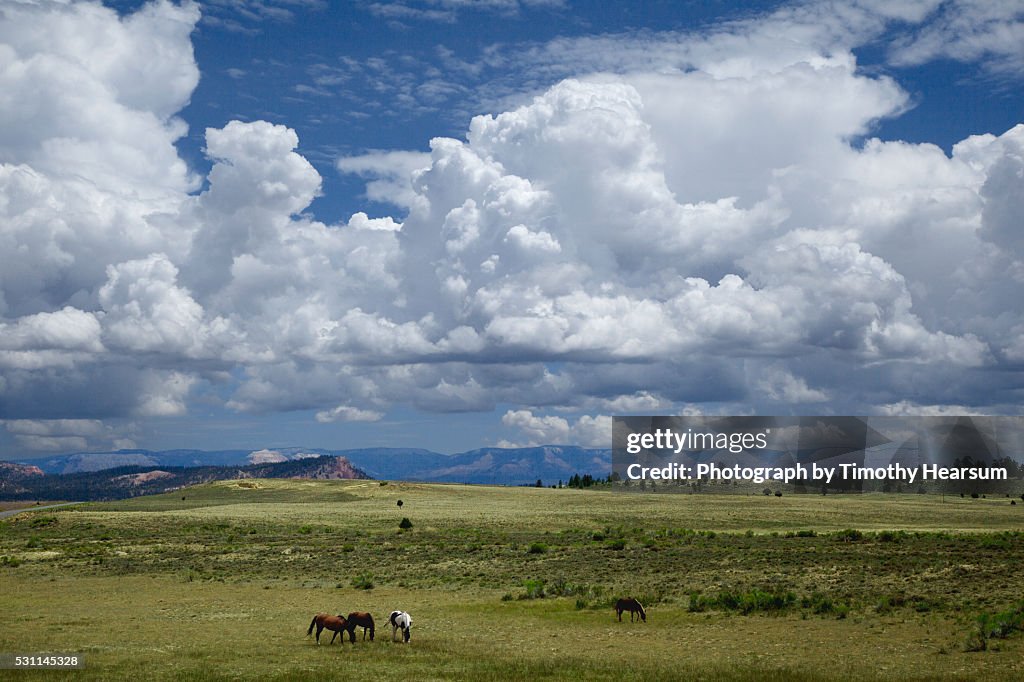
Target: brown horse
(360,619)
(336,623)
(633,606)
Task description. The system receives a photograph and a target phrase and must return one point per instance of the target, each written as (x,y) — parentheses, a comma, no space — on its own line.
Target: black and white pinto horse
(400,620)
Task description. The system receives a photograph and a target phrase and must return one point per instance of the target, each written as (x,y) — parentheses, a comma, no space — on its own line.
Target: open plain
(221,581)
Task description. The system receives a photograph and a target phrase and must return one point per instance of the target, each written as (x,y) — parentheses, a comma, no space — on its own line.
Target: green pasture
(221,581)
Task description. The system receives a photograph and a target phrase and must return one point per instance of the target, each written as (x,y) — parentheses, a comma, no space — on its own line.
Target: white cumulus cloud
(705,224)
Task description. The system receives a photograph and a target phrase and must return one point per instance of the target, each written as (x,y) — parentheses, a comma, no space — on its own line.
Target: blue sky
(454,224)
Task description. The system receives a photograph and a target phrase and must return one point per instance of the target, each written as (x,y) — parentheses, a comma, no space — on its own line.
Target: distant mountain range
(21,481)
(126,473)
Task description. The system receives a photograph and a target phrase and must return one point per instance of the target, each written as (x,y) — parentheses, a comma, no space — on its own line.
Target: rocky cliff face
(323,468)
(13,477)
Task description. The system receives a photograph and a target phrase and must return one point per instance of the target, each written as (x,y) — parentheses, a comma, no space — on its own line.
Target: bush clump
(823,605)
(849,535)
(534,589)
(989,626)
(42,521)
(363,581)
(751,601)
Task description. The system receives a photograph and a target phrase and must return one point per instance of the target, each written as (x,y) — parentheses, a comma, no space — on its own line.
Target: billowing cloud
(388,173)
(588,430)
(64,435)
(721,236)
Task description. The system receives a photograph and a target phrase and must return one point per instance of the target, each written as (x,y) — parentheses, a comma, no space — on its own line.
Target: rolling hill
(131,481)
(126,473)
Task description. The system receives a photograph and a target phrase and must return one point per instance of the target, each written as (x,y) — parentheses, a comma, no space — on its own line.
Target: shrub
(405,524)
(363,581)
(587,596)
(751,601)
(887,603)
(537,548)
(990,626)
(563,588)
(534,589)
(824,605)
(758,600)
(849,535)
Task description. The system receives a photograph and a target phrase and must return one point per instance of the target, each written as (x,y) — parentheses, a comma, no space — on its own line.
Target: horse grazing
(633,606)
(400,620)
(360,619)
(336,623)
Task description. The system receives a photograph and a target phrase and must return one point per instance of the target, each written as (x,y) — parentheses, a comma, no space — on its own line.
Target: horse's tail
(311,626)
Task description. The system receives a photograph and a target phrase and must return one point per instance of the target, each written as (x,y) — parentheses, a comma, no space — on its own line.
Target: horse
(633,606)
(336,623)
(360,619)
(400,620)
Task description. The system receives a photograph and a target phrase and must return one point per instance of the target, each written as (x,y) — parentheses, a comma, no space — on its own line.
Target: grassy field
(12,505)
(221,581)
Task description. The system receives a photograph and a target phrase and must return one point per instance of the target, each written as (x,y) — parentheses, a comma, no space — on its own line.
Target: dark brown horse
(360,619)
(336,623)
(633,606)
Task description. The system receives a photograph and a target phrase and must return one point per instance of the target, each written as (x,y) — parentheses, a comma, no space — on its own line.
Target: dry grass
(223,583)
